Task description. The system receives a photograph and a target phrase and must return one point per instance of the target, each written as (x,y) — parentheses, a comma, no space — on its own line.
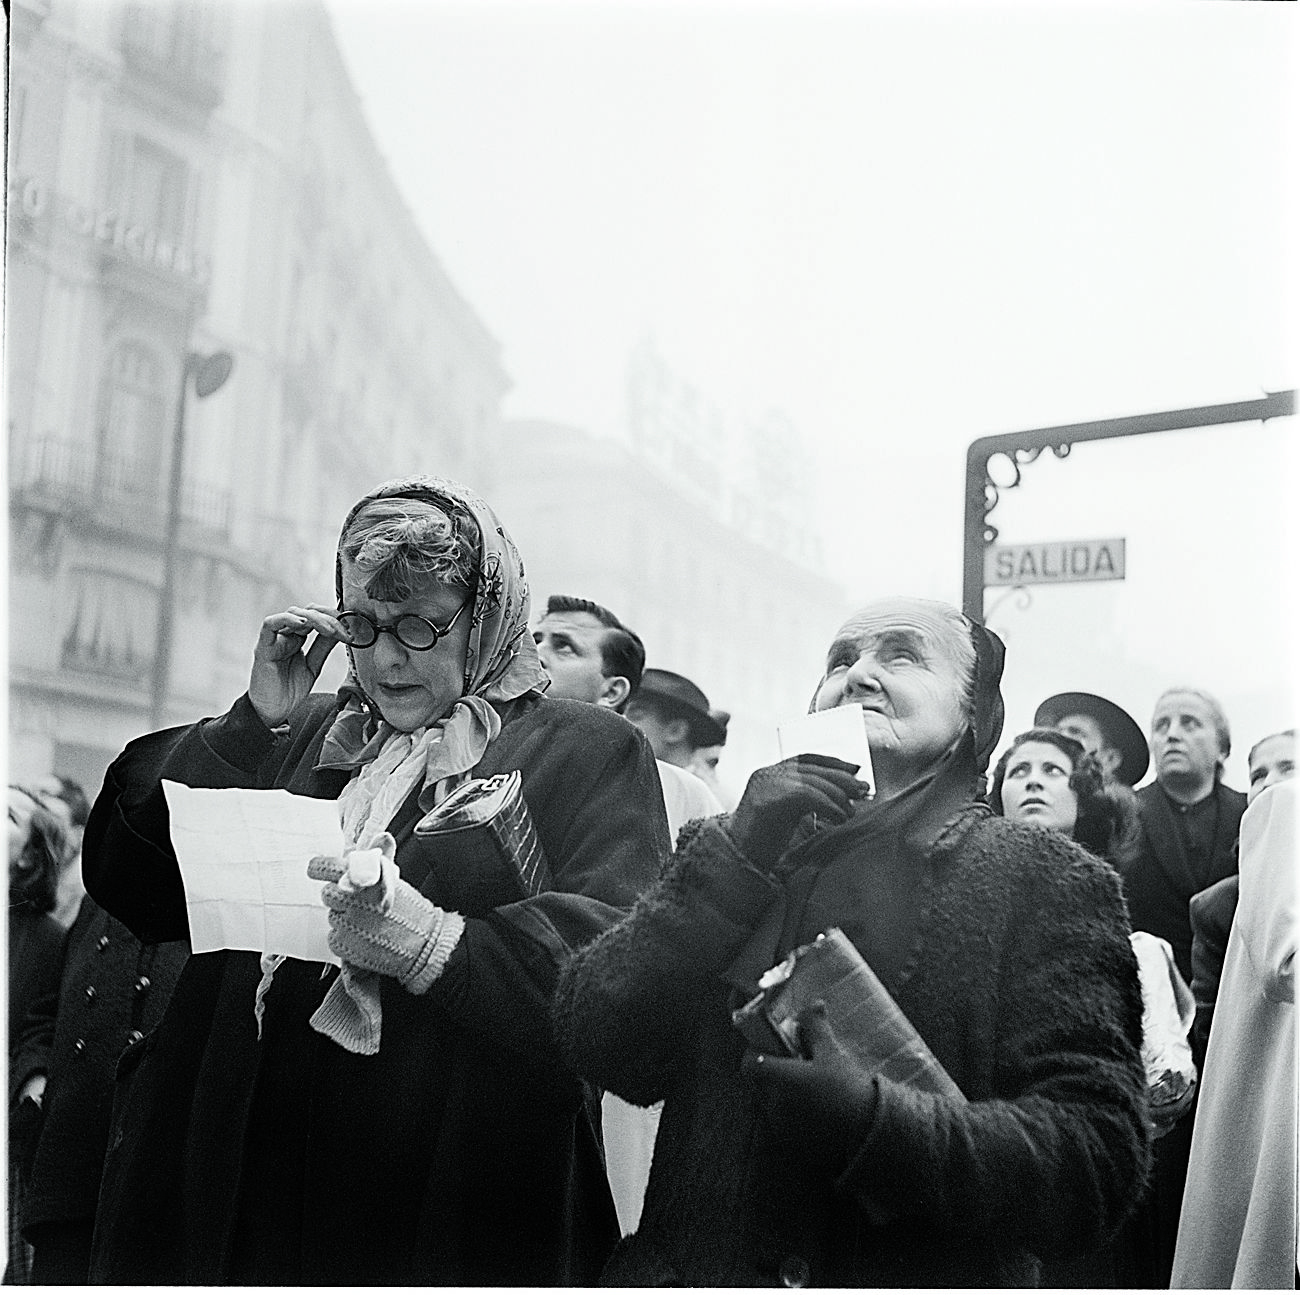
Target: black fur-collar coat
(1017,971)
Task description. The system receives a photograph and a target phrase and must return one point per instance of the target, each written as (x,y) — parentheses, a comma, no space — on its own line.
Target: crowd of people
(1066,1057)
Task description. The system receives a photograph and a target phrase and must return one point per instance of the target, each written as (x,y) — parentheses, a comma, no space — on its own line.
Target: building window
(111,625)
(156,198)
(132,434)
(176,44)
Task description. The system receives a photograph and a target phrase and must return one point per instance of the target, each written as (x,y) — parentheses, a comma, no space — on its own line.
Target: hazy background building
(189,179)
(198,177)
(748,622)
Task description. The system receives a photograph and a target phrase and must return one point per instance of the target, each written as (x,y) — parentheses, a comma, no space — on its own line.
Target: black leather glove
(779,795)
(819,1107)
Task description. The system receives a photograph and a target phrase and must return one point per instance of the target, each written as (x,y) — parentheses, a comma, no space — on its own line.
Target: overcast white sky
(907,226)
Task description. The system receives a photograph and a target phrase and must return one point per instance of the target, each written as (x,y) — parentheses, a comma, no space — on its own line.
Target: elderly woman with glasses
(406,1119)
(1006,948)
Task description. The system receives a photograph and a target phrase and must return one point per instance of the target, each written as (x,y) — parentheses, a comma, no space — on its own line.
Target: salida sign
(1054,562)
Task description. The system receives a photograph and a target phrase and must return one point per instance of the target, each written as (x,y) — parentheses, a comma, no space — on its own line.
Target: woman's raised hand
(779,795)
(284,669)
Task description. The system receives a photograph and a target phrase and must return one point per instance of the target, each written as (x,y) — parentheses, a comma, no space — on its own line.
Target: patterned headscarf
(501,661)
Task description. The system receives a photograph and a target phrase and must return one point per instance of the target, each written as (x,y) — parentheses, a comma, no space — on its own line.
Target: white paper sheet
(838,732)
(243,857)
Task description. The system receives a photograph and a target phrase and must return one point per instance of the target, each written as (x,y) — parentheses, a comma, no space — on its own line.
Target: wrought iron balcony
(111,491)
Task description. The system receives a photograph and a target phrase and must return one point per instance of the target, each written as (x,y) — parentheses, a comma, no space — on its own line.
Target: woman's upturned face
(1036,787)
(412,689)
(896,660)
(21,806)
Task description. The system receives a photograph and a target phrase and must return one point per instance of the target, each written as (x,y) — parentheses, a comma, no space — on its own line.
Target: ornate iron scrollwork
(1016,457)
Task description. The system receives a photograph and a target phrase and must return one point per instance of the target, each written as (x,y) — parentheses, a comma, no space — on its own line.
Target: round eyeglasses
(416,633)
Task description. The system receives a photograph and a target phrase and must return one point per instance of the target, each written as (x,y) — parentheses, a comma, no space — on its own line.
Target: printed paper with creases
(243,857)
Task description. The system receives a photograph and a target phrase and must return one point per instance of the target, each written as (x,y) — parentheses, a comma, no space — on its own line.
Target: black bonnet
(989,710)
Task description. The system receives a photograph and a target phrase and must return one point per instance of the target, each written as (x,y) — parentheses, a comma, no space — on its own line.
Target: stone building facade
(714,581)
(190,177)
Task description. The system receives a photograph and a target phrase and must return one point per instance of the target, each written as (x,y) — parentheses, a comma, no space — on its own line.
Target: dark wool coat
(1160,880)
(1210,912)
(465,1152)
(35,941)
(1018,973)
(112,992)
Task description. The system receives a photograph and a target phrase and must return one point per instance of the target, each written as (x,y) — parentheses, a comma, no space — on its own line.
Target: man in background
(593,657)
(1189,821)
(66,799)
(1102,728)
(675,717)
(1271,760)
(704,761)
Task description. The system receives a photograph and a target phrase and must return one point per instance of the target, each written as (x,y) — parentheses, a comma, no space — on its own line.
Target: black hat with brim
(1120,728)
(678,694)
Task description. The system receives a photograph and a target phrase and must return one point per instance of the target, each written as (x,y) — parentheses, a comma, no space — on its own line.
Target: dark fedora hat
(1120,728)
(677,695)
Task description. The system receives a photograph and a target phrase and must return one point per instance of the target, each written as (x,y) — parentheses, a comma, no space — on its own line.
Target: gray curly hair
(399,543)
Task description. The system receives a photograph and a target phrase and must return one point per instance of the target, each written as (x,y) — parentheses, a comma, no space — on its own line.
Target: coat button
(795,1272)
(91,993)
(103,943)
(142,984)
(134,1037)
(79,1047)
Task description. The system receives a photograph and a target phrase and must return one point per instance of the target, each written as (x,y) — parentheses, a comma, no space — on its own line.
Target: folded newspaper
(487,847)
(864,1016)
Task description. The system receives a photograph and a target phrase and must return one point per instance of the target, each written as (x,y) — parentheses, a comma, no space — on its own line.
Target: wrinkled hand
(820,1108)
(779,795)
(388,926)
(283,673)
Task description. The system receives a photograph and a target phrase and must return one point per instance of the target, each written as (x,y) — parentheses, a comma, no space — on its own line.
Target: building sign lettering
(105,225)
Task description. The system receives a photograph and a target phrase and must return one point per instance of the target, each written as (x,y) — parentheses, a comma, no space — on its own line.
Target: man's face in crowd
(569,644)
(1184,740)
(1088,733)
(1272,761)
(666,734)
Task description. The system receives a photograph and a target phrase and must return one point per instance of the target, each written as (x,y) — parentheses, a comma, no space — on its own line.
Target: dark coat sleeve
(1054,1159)
(29,1052)
(590,783)
(626,1006)
(1211,911)
(35,964)
(128,863)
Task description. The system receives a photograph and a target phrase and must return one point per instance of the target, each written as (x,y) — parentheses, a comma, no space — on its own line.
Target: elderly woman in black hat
(405,1118)
(1006,948)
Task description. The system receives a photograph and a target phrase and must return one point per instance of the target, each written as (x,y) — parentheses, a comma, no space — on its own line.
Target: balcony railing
(115,490)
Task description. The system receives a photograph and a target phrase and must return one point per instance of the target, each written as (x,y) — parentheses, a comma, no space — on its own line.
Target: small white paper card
(839,732)
(243,857)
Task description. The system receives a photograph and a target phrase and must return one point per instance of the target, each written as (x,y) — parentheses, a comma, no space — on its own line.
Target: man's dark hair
(621,650)
(74,797)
